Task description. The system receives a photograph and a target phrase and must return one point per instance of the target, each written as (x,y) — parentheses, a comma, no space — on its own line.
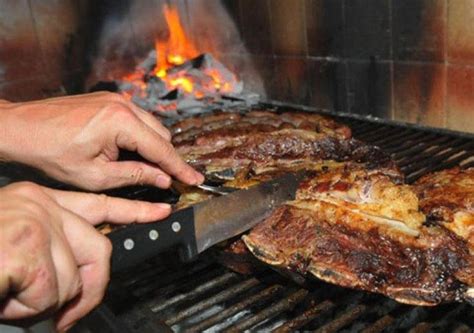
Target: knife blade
(196,228)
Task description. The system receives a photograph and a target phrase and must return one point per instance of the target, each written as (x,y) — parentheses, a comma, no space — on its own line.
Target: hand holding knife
(196,228)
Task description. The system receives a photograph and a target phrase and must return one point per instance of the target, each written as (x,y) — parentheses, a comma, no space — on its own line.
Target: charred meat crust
(375,240)
(311,241)
(189,130)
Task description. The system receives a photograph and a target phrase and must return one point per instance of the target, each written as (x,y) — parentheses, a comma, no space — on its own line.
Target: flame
(175,51)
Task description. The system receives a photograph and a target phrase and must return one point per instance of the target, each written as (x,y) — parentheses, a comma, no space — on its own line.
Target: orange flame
(174,51)
(177,49)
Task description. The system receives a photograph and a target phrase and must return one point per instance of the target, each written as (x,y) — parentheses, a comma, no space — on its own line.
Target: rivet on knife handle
(136,243)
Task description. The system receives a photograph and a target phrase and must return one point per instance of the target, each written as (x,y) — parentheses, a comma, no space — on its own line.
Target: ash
(196,86)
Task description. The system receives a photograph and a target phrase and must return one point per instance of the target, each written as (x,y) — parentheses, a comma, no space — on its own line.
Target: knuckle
(45,278)
(33,232)
(115,97)
(105,248)
(117,111)
(137,175)
(167,150)
(97,180)
(27,189)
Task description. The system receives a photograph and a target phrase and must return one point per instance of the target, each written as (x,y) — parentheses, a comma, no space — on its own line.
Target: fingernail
(199,178)
(163,181)
(163,206)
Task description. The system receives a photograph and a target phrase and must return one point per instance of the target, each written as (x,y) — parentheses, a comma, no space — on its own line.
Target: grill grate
(204,296)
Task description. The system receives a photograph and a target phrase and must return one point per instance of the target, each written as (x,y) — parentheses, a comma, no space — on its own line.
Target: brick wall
(408,60)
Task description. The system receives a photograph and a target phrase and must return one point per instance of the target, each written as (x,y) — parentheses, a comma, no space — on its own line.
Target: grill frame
(153,301)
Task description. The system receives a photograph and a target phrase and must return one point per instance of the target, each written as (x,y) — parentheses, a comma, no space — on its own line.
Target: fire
(176,51)
(177,64)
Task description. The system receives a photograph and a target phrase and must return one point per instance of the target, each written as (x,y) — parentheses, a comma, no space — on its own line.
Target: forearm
(17,135)
(4,133)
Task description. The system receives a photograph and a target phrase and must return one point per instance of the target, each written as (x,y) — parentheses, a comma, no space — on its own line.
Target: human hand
(76,139)
(51,257)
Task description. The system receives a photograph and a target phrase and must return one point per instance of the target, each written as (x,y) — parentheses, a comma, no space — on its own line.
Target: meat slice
(447,198)
(359,229)
(189,130)
(287,149)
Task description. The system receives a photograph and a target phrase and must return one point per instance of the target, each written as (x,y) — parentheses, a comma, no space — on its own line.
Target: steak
(228,145)
(359,229)
(354,222)
(447,199)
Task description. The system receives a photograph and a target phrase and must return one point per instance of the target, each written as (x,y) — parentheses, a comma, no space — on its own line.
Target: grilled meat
(359,229)
(353,222)
(261,148)
(189,131)
(447,198)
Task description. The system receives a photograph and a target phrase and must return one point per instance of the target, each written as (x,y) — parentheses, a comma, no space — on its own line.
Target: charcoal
(154,94)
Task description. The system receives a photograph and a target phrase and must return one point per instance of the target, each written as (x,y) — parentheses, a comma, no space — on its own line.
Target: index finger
(98,208)
(150,145)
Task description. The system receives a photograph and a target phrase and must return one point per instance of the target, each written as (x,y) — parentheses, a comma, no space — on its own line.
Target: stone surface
(420,93)
(460,100)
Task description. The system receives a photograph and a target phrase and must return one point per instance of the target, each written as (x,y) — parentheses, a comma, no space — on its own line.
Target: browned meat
(198,130)
(359,229)
(447,198)
(283,149)
(353,222)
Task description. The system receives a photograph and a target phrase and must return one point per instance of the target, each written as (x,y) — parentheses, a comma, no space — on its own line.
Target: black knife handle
(136,243)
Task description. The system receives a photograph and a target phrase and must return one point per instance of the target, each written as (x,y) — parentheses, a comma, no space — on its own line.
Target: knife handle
(136,243)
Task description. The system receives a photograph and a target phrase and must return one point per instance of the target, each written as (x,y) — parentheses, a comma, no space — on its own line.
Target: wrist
(12,132)
(4,140)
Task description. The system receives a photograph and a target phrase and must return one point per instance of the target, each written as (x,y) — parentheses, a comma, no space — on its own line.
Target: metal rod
(179,298)
(306,317)
(270,311)
(222,296)
(240,306)
(380,325)
(343,320)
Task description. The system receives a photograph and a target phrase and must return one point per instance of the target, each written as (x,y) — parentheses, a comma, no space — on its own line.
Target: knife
(196,228)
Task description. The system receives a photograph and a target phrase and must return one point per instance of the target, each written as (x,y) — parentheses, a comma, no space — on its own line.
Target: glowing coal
(175,79)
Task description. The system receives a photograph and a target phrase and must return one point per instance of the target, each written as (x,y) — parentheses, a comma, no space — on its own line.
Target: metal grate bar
(393,138)
(414,170)
(220,297)
(406,142)
(307,316)
(422,156)
(427,160)
(410,155)
(271,311)
(378,134)
(361,129)
(240,306)
(344,319)
(159,305)
(380,325)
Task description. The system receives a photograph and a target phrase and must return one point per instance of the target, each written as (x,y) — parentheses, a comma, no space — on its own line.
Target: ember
(176,79)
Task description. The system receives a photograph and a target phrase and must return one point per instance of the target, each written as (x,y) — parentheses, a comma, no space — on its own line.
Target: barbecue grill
(162,295)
